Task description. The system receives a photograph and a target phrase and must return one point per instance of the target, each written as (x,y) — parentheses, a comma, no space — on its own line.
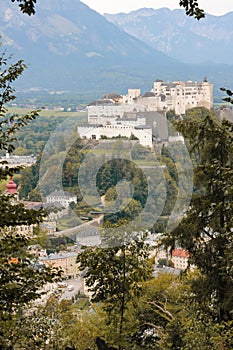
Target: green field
(47,113)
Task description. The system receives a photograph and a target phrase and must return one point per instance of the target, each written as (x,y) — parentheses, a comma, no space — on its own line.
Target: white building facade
(178,96)
(107,117)
(62,197)
(96,113)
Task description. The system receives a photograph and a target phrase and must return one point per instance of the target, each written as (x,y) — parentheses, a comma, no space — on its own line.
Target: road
(77,229)
(78,286)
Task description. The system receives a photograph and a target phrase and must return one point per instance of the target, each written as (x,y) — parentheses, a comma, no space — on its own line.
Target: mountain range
(68,46)
(179,36)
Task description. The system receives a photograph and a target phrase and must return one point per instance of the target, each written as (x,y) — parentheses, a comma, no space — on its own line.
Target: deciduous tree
(21,276)
(114,275)
(26,6)
(206,229)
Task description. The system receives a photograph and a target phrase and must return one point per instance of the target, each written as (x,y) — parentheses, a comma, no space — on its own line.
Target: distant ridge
(179,36)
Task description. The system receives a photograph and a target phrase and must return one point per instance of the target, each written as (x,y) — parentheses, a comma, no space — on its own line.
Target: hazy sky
(215,7)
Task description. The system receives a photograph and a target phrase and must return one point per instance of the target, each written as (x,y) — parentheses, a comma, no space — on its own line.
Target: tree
(183,324)
(206,229)
(21,275)
(192,8)
(27,6)
(229,93)
(168,317)
(22,279)
(114,275)
(12,215)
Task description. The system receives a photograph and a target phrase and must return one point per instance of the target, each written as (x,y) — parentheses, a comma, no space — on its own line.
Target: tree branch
(160,308)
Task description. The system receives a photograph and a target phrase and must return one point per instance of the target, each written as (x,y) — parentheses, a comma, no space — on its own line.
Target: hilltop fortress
(144,116)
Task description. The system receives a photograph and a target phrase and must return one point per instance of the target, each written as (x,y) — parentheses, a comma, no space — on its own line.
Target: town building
(37,250)
(11,190)
(65,261)
(180,258)
(25,230)
(16,161)
(48,226)
(64,198)
(54,211)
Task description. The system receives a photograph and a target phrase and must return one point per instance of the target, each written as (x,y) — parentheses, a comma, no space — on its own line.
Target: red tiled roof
(180,253)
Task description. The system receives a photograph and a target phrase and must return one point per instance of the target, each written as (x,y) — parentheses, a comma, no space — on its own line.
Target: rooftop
(180,253)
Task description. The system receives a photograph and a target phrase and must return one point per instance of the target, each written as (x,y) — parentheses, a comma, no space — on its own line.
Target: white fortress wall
(110,131)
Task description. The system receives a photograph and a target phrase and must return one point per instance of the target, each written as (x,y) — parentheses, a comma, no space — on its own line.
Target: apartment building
(65,261)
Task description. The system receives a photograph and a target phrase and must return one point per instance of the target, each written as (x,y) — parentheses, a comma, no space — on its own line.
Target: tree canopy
(206,229)
(114,275)
(21,276)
